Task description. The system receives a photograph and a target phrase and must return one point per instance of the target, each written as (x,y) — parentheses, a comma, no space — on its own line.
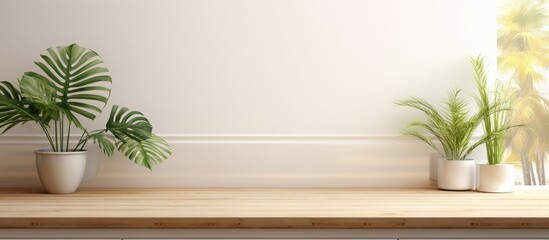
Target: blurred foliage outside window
(523,63)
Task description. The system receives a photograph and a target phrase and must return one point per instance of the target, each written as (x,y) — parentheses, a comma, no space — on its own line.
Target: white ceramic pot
(433,168)
(456,174)
(498,178)
(60,172)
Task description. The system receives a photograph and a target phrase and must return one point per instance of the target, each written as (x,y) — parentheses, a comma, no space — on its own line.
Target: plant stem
(81,140)
(61,131)
(48,135)
(68,136)
(83,145)
(56,138)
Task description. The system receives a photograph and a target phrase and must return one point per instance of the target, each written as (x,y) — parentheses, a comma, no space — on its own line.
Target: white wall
(258,93)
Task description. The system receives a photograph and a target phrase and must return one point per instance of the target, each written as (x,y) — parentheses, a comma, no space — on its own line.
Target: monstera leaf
(146,153)
(134,138)
(79,79)
(124,124)
(41,95)
(104,140)
(74,83)
(13,109)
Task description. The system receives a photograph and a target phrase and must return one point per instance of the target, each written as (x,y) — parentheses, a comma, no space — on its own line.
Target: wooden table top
(266,208)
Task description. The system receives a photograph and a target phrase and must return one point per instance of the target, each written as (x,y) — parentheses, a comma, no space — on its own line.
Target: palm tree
(523,41)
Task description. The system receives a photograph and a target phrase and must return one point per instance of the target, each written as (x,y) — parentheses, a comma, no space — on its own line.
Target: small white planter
(60,172)
(498,178)
(456,174)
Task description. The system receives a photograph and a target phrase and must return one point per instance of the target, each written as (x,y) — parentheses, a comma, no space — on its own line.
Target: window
(523,62)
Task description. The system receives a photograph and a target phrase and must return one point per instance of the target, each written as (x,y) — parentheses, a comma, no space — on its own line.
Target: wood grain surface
(271,208)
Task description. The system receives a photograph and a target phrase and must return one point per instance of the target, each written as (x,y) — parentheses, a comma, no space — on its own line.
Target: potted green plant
(495,176)
(75,84)
(452,125)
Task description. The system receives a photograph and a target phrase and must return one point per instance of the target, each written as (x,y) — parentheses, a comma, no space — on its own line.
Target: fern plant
(494,123)
(74,84)
(453,125)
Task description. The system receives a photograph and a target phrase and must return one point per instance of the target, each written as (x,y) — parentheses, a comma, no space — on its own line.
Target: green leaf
(104,140)
(77,75)
(452,124)
(146,153)
(124,124)
(494,109)
(40,93)
(37,91)
(13,109)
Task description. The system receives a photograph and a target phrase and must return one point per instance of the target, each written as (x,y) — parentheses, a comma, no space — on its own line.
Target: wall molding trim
(18,139)
(229,138)
(243,161)
(279,138)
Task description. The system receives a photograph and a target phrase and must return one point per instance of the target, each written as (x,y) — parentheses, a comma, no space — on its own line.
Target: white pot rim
(499,164)
(50,151)
(459,160)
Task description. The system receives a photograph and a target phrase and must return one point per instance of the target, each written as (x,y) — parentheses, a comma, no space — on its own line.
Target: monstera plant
(72,85)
